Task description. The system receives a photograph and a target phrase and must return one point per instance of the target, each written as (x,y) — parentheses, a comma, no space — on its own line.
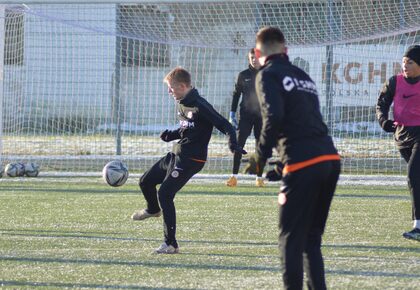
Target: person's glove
(388,126)
(275,174)
(232,120)
(168,135)
(234,147)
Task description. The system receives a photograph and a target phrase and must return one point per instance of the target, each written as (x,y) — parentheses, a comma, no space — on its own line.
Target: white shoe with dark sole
(166,249)
(144,214)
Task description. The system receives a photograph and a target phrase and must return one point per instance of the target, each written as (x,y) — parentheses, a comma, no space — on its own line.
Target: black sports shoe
(414,234)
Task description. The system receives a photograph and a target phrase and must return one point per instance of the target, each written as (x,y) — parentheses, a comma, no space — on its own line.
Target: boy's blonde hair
(178,75)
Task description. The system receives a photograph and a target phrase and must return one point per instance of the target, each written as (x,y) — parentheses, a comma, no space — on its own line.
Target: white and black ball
(15,169)
(31,169)
(115,173)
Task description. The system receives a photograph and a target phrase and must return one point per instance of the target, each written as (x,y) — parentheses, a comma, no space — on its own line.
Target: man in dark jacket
(292,121)
(197,119)
(404,91)
(249,116)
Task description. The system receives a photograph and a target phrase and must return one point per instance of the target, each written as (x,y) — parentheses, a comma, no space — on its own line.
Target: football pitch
(77,233)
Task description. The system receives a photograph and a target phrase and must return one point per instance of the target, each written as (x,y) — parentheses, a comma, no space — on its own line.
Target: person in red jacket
(404,91)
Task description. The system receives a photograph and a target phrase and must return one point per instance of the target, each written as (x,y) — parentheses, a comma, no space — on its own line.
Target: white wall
(67,69)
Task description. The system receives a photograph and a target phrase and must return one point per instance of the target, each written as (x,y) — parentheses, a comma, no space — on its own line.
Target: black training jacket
(197,118)
(405,136)
(245,86)
(291,115)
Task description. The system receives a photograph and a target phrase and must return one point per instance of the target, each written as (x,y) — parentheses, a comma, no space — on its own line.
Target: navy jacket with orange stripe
(197,118)
(292,119)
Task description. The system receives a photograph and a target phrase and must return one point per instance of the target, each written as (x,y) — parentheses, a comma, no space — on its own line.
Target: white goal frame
(328,47)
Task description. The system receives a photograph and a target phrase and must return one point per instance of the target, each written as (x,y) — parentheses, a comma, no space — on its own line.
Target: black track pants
(172,172)
(303,214)
(412,156)
(244,130)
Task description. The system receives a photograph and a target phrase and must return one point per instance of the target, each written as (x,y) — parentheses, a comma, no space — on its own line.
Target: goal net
(82,83)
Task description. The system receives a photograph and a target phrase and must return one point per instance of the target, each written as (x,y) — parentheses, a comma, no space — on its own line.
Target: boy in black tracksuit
(404,91)
(249,115)
(292,120)
(197,118)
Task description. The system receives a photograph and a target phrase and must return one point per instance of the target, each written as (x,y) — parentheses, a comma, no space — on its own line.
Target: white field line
(367,180)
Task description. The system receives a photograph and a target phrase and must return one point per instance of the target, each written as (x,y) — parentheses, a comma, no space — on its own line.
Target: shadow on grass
(84,191)
(77,285)
(166,264)
(369,248)
(163,264)
(274,257)
(60,231)
(69,235)
(371,196)
(79,190)
(77,235)
(85,235)
(373,274)
(187,191)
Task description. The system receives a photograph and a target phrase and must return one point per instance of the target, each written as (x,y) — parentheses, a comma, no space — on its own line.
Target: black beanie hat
(413,53)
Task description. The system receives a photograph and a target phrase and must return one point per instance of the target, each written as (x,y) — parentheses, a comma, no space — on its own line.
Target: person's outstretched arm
(222,125)
(170,135)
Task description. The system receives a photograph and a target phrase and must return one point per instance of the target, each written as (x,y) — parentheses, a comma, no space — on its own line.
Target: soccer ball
(115,173)
(15,169)
(31,169)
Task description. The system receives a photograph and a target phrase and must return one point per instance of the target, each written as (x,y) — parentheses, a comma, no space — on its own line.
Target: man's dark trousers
(309,192)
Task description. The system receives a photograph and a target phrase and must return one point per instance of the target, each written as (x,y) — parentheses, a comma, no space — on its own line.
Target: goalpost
(2,17)
(83,85)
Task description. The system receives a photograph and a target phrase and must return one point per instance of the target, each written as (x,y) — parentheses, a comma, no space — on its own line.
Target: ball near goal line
(115,173)
(31,169)
(15,169)
(19,169)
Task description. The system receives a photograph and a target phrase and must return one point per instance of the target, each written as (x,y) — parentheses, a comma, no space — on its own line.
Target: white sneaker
(167,249)
(144,214)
